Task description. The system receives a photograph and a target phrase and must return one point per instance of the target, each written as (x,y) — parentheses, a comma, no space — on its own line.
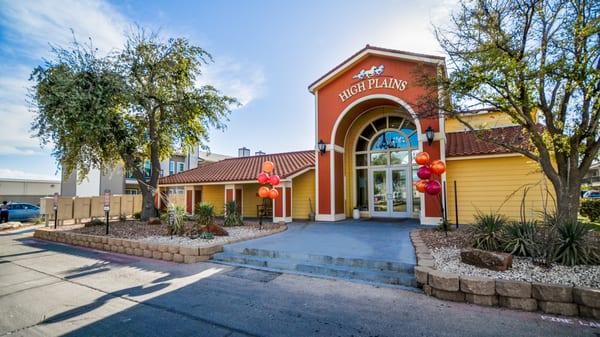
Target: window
(180,167)
(147,168)
(171,167)
(386,141)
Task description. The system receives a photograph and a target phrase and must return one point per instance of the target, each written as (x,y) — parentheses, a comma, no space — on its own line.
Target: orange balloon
(273,194)
(268,167)
(421,185)
(263,192)
(438,167)
(422,158)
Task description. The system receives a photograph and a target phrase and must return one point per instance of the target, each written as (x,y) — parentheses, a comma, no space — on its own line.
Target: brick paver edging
(549,298)
(166,252)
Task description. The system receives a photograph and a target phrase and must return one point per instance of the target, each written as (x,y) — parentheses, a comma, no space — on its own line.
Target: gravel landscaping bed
(138,230)
(445,251)
(448,260)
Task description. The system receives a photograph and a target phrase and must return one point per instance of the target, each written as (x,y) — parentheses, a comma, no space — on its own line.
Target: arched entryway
(380,147)
(369,134)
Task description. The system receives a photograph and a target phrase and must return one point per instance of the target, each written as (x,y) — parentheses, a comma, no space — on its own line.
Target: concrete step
(376,265)
(318,266)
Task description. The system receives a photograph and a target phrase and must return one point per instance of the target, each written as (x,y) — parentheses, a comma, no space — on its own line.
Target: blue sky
(266,54)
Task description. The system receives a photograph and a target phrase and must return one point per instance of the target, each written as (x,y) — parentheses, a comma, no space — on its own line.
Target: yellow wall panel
(303,188)
(496,185)
(250,199)
(479,121)
(214,195)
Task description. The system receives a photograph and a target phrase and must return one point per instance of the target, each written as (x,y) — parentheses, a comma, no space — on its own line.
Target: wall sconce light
(429,134)
(321,147)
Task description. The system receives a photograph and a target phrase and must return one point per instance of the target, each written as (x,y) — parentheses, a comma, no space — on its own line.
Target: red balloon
(438,167)
(268,166)
(263,178)
(422,158)
(275,180)
(421,185)
(424,172)
(433,187)
(263,192)
(273,194)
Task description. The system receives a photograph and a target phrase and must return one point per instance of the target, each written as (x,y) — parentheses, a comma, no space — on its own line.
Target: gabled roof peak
(373,50)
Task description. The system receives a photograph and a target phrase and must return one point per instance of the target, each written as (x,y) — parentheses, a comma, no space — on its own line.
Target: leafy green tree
(539,62)
(140,103)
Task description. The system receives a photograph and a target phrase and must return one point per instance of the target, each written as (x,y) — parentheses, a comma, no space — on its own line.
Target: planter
(355,214)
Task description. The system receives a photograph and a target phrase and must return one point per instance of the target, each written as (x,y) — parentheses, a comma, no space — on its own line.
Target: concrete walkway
(358,239)
(377,252)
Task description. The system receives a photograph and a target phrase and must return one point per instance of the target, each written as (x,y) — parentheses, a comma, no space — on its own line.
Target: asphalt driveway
(49,289)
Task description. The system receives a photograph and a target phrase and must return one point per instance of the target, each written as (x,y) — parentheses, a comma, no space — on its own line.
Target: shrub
(95,222)
(176,224)
(232,215)
(519,238)
(205,214)
(591,209)
(137,215)
(573,246)
(206,236)
(487,231)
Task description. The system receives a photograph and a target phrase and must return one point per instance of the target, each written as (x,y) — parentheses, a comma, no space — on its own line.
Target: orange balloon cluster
(266,177)
(426,172)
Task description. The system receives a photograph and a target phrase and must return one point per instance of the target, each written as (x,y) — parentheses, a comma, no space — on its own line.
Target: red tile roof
(472,143)
(244,168)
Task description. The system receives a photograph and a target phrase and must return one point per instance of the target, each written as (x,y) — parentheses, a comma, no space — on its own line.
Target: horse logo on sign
(373,71)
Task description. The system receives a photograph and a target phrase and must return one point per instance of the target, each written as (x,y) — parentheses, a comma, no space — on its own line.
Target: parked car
(22,211)
(592,195)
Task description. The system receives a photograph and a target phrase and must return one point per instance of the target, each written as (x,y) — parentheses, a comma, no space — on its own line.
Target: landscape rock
(215,229)
(154,221)
(587,296)
(454,296)
(478,285)
(513,288)
(525,304)
(559,308)
(422,274)
(484,259)
(444,281)
(552,292)
(485,300)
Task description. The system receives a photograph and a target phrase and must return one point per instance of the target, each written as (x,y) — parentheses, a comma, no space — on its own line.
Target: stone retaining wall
(549,298)
(166,252)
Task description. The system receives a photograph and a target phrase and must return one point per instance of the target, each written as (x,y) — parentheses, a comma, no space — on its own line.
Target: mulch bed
(458,238)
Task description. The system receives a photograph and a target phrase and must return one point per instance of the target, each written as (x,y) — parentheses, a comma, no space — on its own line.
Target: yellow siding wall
(303,188)
(479,121)
(485,184)
(250,199)
(215,195)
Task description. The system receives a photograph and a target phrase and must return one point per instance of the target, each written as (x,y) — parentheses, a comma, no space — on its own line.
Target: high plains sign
(370,79)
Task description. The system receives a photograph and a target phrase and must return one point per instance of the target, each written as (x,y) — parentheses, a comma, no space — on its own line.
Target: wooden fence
(78,208)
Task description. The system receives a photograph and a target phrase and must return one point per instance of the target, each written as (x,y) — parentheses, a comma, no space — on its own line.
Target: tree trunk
(148,208)
(567,199)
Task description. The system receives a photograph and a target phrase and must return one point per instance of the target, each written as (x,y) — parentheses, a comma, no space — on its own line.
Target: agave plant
(232,214)
(175,220)
(519,238)
(205,214)
(487,231)
(573,246)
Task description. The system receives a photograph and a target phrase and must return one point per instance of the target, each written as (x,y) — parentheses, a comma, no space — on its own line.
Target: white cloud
(32,25)
(17,174)
(242,81)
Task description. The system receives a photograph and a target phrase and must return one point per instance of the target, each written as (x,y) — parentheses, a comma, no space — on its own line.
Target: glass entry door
(390,192)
